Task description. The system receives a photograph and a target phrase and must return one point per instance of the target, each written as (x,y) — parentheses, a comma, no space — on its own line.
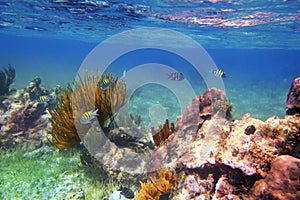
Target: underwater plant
(87,95)
(111,99)
(165,181)
(64,133)
(7,77)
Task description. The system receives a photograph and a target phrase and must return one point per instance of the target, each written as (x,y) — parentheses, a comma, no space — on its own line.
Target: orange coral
(156,186)
(86,96)
(64,133)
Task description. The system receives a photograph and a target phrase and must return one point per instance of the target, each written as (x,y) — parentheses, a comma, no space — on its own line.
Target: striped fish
(126,192)
(219,73)
(88,116)
(43,99)
(106,83)
(176,76)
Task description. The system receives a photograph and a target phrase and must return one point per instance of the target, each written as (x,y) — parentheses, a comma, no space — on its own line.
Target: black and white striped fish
(219,73)
(88,116)
(126,192)
(176,76)
(43,99)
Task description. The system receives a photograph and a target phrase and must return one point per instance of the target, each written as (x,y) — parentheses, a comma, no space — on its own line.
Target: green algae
(49,174)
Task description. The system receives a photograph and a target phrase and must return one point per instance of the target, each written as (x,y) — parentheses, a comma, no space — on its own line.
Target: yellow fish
(106,83)
(88,116)
(43,99)
(219,73)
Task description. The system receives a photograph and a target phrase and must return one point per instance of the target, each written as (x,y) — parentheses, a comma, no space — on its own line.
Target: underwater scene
(150,100)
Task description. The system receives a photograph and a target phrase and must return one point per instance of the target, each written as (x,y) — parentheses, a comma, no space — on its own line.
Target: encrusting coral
(86,95)
(156,186)
(7,77)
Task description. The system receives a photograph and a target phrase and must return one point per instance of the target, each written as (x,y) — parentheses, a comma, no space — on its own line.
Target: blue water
(257,44)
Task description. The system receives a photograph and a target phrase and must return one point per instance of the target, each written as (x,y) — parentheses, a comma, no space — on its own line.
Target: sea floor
(48,173)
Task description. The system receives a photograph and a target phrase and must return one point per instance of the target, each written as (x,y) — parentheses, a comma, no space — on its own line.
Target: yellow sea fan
(63,134)
(86,96)
(155,186)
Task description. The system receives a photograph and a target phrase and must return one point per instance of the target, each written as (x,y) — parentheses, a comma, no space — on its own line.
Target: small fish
(176,76)
(182,180)
(219,73)
(124,73)
(106,83)
(126,192)
(43,99)
(87,117)
(165,196)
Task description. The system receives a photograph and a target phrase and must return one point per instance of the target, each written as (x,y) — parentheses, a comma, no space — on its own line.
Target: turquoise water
(256,43)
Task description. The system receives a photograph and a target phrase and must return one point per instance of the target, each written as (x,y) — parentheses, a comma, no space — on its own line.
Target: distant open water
(255,42)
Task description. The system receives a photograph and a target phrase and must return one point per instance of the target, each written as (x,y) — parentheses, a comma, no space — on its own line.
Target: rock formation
(293,99)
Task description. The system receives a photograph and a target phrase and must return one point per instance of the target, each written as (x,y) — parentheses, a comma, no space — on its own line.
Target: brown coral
(109,101)
(156,186)
(86,96)
(163,133)
(64,133)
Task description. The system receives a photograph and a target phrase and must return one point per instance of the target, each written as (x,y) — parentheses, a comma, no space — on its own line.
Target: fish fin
(95,112)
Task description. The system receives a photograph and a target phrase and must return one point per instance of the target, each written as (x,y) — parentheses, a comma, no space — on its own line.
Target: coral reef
(23,121)
(212,101)
(235,154)
(293,98)
(7,77)
(35,90)
(164,182)
(23,125)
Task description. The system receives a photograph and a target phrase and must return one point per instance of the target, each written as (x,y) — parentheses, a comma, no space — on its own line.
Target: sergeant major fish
(106,83)
(88,116)
(219,73)
(43,99)
(126,192)
(176,76)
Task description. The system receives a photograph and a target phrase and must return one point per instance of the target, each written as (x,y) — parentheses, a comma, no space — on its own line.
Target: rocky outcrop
(282,182)
(24,120)
(23,125)
(293,98)
(230,155)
